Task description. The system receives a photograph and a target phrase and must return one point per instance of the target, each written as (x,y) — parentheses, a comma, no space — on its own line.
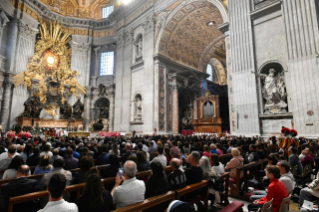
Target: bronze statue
(27,109)
(32,107)
(65,110)
(78,109)
(37,107)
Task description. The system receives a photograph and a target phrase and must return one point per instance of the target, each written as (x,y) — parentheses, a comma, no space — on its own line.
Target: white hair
(130,168)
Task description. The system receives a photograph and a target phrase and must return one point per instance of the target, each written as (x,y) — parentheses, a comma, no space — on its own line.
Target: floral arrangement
(110,134)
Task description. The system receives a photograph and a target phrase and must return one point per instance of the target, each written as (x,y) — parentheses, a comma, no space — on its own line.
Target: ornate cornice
(3,18)
(25,31)
(81,47)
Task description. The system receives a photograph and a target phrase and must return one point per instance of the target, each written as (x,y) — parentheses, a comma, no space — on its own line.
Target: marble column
(1,90)
(87,108)
(5,112)
(175,110)
(111,111)
(195,108)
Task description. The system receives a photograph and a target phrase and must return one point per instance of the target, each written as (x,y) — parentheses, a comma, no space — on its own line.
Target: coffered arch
(186,34)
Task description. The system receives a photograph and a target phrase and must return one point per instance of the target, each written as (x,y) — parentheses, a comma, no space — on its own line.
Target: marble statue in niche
(103,91)
(138,109)
(139,48)
(274,92)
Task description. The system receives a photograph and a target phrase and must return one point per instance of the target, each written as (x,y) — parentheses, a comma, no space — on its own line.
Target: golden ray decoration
(52,60)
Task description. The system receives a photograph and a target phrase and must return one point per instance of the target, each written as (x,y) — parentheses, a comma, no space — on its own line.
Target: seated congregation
(156,173)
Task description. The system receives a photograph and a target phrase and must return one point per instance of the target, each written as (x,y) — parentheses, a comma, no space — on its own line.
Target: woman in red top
(206,151)
(276,191)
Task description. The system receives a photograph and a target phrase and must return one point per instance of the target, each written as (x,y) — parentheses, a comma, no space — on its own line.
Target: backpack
(216,183)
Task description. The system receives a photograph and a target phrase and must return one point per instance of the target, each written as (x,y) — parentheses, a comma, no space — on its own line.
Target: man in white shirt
(160,157)
(56,202)
(131,191)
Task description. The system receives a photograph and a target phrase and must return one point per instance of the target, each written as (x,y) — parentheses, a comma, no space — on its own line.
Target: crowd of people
(192,159)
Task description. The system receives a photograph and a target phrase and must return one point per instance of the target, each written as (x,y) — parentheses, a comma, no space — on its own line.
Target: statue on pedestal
(32,107)
(274,92)
(65,111)
(138,110)
(78,109)
(139,48)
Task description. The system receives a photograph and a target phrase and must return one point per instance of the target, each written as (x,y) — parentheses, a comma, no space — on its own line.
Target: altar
(79,134)
(49,123)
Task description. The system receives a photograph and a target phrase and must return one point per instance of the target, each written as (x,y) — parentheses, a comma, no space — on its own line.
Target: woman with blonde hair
(235,162)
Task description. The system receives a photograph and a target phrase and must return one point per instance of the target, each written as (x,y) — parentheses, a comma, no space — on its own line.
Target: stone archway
(183,35)
(186,34)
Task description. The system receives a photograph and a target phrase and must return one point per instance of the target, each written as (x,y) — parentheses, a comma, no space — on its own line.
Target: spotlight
(126,1)
(50,60)
(211,23)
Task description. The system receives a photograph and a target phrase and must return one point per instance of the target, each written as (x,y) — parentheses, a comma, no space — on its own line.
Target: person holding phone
(128,190)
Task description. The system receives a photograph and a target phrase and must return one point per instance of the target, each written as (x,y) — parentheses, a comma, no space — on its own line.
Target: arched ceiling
(188,39)
(91,9)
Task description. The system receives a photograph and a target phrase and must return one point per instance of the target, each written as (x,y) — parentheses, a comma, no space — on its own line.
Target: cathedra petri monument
(51,82)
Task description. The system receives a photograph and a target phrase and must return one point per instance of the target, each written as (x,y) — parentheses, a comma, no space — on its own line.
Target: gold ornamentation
(51,62)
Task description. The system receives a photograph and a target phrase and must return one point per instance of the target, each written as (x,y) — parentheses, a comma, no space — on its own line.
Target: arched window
(209,70)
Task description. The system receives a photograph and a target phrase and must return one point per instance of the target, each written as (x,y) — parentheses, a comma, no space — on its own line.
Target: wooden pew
(244,168)
(224,195)
(74,188)
(225,158)
(149,203)
(39,176)
(32,168)
(153,155)
(194,187)
(40,195)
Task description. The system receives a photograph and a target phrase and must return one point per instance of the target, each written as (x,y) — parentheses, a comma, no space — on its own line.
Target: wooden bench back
(32,168)
(194,187)
(149,203)
(39,176)
(74,188)
(225,158)
(244,168)
(224,195)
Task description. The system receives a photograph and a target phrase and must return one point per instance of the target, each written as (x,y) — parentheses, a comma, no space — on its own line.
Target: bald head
(23,171)
(175,163)
(130,169)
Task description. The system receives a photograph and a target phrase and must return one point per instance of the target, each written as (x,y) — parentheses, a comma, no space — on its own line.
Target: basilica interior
(148,66)
(99,68)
